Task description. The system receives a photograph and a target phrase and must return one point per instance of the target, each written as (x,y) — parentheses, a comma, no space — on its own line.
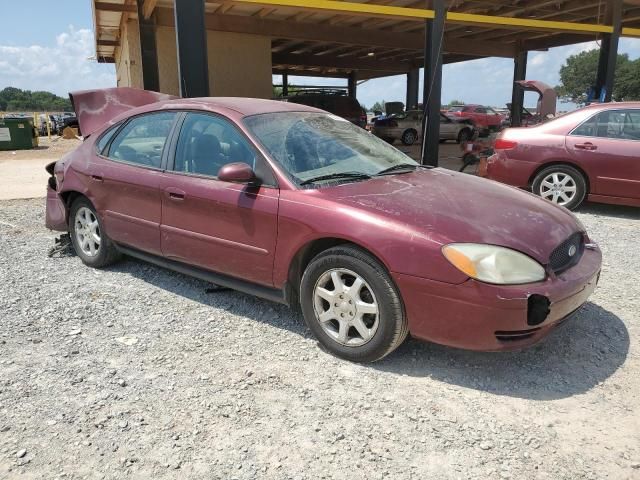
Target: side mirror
(237,173)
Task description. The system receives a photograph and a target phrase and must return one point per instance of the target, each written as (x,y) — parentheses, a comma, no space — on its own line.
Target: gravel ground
(137,372)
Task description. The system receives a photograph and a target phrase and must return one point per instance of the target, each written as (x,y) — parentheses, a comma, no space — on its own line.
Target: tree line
(17,100)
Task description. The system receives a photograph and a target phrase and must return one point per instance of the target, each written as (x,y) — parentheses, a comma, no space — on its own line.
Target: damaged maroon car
(301,207)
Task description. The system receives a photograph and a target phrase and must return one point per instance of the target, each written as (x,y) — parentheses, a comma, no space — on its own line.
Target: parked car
(333,101)
(591,154)
(51,120)
(484,118)
(299,206)
(407,127)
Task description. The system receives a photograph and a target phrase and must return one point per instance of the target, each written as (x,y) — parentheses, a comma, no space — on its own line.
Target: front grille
(561,258)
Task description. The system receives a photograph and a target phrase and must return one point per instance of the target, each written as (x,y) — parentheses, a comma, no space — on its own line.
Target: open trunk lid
(94,108)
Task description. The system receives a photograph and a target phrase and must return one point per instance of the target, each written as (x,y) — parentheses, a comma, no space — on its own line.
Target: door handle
(586,146)
(96,178)
(175,194)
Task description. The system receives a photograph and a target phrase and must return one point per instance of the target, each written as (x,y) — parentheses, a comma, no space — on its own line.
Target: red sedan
(301,207)
(592,153)
(484,118)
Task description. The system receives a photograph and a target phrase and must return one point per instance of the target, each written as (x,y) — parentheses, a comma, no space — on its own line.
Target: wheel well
(560,162)
(70,197)
(307,253)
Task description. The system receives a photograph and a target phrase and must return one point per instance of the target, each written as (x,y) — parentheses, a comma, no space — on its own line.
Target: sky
(55,52)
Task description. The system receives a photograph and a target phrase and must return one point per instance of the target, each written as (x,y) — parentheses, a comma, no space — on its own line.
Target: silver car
(407,127)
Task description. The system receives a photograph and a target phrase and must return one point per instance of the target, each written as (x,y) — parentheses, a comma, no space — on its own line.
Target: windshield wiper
(337,176)
(404,167)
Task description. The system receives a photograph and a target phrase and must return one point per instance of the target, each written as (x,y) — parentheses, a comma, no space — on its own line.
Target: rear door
(225,227)
(126,180)
(608,145)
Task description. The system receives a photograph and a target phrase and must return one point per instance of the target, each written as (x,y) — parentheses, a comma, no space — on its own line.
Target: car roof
(241,105)
(612,105)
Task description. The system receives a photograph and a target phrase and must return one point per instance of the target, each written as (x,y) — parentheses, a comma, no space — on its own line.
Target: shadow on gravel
(576,357)
(573,359)
(618,211)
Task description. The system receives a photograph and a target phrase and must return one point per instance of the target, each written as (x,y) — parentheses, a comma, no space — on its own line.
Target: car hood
(446,206)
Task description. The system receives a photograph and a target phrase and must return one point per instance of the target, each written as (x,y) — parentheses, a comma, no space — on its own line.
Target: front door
(126,180)
(225,227)
(608,144)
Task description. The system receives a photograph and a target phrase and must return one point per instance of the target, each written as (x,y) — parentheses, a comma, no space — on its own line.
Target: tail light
(502,144)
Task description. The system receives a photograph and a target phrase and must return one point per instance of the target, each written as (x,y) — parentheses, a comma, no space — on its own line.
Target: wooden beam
(115,7)
(337,35)
(108,43)
(148,7)
(343,63)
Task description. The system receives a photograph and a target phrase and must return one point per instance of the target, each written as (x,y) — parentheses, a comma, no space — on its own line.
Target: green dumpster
(17,134)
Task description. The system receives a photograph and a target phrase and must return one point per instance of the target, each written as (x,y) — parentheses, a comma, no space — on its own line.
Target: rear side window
(141,141)
(104,139)
(618,124)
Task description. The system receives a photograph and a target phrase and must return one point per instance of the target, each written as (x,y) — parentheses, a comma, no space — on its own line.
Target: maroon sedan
(301,207)
(592,153)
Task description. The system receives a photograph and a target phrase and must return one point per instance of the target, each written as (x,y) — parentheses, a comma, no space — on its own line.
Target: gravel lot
(137,372)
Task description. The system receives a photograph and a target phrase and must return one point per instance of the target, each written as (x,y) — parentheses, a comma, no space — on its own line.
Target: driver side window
(207,142)
(141,141)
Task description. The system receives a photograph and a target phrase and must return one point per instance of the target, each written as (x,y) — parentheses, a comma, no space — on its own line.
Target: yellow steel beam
(368,9)
(472,18)
(335,6)
(631,32)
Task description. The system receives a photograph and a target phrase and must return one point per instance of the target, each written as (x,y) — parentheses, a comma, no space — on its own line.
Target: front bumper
(479,316)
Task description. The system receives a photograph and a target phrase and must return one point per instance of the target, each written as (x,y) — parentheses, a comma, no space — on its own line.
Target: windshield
(310,145)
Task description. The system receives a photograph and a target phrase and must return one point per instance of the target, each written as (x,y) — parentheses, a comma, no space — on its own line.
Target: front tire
(88,236)
(352,306)
(562,185)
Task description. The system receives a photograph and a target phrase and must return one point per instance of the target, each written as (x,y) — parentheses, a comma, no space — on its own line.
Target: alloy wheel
(558,187)
(87,230)
(346,307)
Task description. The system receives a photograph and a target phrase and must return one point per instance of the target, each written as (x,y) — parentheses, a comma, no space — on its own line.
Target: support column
(432,94)
(285,84)
(517,94)
(609,52)
(413,85)
(191,40)
(148,50)
(353,84)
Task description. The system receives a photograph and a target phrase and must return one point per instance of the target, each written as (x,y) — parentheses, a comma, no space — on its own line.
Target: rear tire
(89,239)
(409,137)
(352,306)
(561,184)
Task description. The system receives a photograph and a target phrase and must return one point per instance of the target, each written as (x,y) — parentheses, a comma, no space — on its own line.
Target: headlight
(492,264)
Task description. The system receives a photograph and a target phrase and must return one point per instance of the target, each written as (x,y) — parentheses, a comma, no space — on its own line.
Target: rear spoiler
(94,108)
